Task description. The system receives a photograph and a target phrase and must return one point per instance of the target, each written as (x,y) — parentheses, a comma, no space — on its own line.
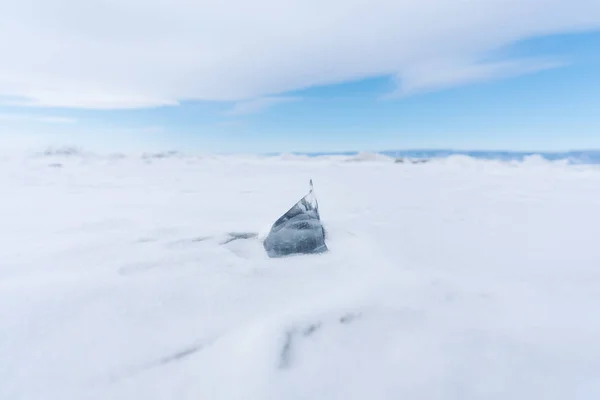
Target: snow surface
(455,279)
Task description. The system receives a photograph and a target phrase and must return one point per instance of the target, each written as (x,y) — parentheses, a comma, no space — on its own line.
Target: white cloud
(257,105)
(444,74)
(50,119)
(146,53)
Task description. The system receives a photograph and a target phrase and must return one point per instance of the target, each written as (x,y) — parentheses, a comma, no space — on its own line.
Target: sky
(302,75)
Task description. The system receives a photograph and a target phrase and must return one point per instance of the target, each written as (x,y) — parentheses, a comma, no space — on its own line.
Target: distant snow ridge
(535,159)
(587,157)
(162,155)
(461,160)
(370,157)
(583,157)
(294,157)
(570,157)
(64,151)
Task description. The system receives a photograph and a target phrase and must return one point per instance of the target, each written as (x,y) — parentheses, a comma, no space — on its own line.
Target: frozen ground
(456,279)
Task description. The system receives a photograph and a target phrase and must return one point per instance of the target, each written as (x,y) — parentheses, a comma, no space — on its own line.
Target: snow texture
(144,277)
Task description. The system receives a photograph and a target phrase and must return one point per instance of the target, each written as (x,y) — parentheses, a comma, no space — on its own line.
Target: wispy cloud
(443,74)
(153,55)
(258,105)
(48,119)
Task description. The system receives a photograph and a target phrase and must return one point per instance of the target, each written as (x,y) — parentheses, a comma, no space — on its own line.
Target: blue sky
(552,105)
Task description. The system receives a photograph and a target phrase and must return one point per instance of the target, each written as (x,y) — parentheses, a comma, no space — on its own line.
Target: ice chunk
(298,231)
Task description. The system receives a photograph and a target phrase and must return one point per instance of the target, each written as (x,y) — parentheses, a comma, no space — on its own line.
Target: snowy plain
(454,279)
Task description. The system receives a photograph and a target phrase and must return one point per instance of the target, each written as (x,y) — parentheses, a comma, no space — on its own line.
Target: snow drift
(446,280)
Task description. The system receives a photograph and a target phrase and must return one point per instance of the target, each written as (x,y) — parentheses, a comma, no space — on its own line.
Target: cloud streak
(151,53)
(447,74)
